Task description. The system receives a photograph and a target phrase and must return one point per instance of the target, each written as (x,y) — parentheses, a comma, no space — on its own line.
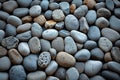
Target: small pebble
(83,77)
(48,14)
(54,6)
(35,2)
(108,57)
(10,30)
(50,24)
(59,25)
(72,8)
(80,66)
(44,4)
(77,2)
(100,5)
(4,15)
(24,3)
(3,51)
(64,33)
(97,77)
(53,53)
(27,19)
(116,12)
(52,78)
(90,44)
(40,20)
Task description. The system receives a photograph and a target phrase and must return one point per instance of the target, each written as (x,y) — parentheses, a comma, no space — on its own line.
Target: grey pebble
(52,78)
(117,3)
(117,43)
(44,5)
(45,45)
(97,77)
(59,25)
(2,35)
(17,72)
(4,15)
(90,44)
(116,12)
(79,46)
(30,62)
(53,53)
(80,66)
(83,77)
(10,30)
(64,33)
(100,5)
(24,3)
(53,5)
(110,4)
(3,51)
(35,2)
(77,2)
(2,24)
(3,75)
(48,14)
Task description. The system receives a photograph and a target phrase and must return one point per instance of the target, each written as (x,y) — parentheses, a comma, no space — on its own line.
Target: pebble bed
(59,40)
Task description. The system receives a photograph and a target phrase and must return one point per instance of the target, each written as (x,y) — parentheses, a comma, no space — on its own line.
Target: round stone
(77,2)
(107,57)
(50,34)
(40,20)
(90,44)
(5,63)
(44,59)
(50,24)
(4,76)
(10,30)
(62,59)
(48,14)
(44,5)
(24,3)
(2,35)
(53,5)
(17,72)
(59,25)
(3,51)
(64,33)
(58,15)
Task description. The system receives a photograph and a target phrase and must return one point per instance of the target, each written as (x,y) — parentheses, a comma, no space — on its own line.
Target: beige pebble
(72,8)
(27,19)
(40,20)
(90,3)
(50,24)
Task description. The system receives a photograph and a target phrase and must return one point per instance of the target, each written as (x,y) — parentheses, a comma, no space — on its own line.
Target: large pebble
(14,20)
(10,30)
(4,15)
(3,51)
(30,62)
(37,75)
(65,7)
(58,15)
(15,56)
(44,5)
(4,63)
(2,24)
(114,23)
(78,36)
(44,59)
(24,48)
(105,44)
(4,76)
(59,25)
(34,44)
(52,67)
(94,33)
(17,72)
(72,74)
(90,44)
(110,4)
(9,6)
(70,45)
(24,3)
(71,22)
(10,42)
(92,67)
(80,66)
(62,59)
(50,34)
(35,11)
(2,35)
(82,55)
(58,41)
(81,11)
(36,30)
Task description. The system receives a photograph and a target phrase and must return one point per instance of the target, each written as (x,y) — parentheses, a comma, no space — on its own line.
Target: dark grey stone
(10,30)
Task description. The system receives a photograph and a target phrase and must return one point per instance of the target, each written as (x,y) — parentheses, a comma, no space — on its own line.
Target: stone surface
(44,5)
(10,30)
(64,33)
(2,24)
(53,53)
(48,14)
(107,57)
(72,8)
(50,24)
(110,4)
(116,12)
(26,19)
(52,78)
(62,59)
(3,51)
(24,3)
(90,44)
(40,19)
(3,76)
(77,2)
(4,15)
(80,66)
(83,77)
(59,25)
(97,77)
(100,5)
(54,5)
(2,35)
(90,3)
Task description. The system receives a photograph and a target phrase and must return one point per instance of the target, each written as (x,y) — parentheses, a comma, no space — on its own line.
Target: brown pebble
(90,3)
(107,57)
(50,24)
(72,8)
(40,20)
(27,19)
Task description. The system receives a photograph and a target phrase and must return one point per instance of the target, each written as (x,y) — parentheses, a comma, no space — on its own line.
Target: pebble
(2,24)
(54,6)
(92,67)
(20,12)
(110,4)
(102,22)
(78,36)
(77,2)
(50,34)
(83,77)
(90,3)
(72,8)
(53,53)
(117,3)
(5,63)
(52,78)
(114,23)
(27,19)
(100,5)
(44,59)
(36,30)
(114,66)
(110,75)
(35,2)
(103,12)
(58,15)
(105,44)
(58,41)
(80,66)
(83,25)
(9,6)
(3,76)
(62,59)
(71,22)
(82,55)
(23,28)
(30,62)
(40,20)
(91,16)
(44,5)
(72,74)
(81,11)
(65,7)
(61,73)
(34,44)
(15,56)
(97,77)
(97,53)
(94,33)
(35,11)
(70,45)
(79,46)
(10,30)
(14,20)
(10,42)
(59,25)
(24,3)
(50,24)
(2,35)
(25,36)
(3,51)
(90,44)
(117,43)
(64,33)
(107,57)
(17,72)
(48,14)
(116,12)
(107,32)
(4,15)
(52,67)
(115,53)
(37,75)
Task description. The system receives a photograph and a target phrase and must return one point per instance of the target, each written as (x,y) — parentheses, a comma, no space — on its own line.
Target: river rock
(2,35)
(97,77)
(3,75)
(3,51)
(45,45)
(53,53)
(10,30)
(50,24)
(52,78)
(4,15)
(2,24)
(80,66)
(77,2)
(90,44)
(90,3)
(44,5)
(24,3)
(54,5)
(64,33)
(110,4)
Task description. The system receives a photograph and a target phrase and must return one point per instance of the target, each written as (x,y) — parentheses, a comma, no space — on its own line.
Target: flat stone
(64,33)
(3,75)
(35,2)
(40,19)
(3,51)
(100,5)
(53,6)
